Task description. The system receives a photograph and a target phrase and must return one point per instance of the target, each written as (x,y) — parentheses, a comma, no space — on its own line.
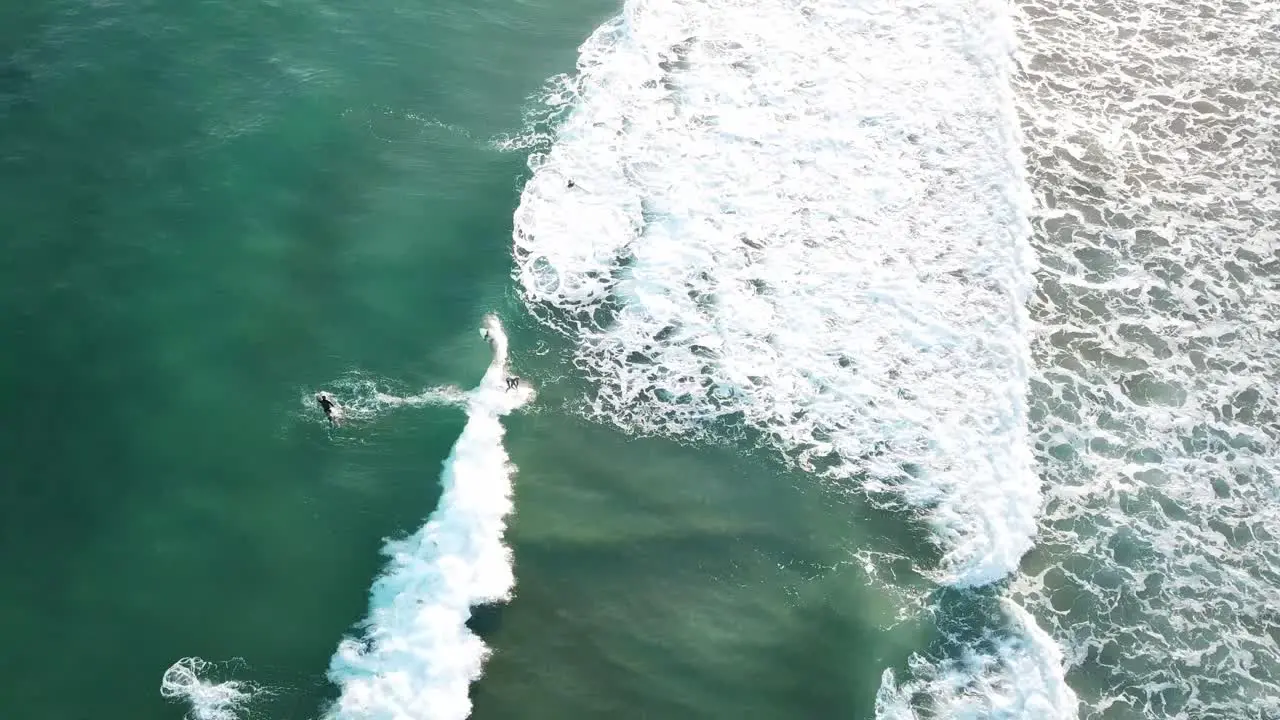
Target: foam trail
(431,396)
(362,398)
(417,658)
(208,700)
(808,219)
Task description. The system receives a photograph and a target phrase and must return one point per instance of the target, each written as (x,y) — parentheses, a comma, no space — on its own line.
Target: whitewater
(1012,271)
(957,256)
(1152,134)
(415,658)
(805,225)
(807,220)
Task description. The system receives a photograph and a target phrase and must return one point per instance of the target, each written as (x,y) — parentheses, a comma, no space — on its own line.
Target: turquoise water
(212,210)
(892,359)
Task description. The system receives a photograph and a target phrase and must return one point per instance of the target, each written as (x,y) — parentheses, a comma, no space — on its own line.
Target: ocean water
(880,359)
(1151,136)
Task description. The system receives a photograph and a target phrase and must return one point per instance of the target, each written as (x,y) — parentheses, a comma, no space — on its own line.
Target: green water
(212,209)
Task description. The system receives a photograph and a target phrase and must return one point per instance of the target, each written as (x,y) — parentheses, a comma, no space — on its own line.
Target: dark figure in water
(332,409)
(570,183)
(513,382)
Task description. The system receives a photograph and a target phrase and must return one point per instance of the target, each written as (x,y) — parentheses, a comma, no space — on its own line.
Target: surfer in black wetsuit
(513,382)
(332,410)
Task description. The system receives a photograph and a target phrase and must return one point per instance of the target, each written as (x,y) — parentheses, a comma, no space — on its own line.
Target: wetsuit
(327,405)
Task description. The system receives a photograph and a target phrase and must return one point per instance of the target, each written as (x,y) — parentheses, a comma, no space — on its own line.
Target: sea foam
(805,220)
(416,658)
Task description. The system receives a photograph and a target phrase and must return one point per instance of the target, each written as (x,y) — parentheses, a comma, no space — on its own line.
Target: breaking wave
(1014,673)
(804,224)
(805,219)
(416,658)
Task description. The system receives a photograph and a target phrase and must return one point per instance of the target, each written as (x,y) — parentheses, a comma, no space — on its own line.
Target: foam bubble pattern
(416,658)
(1153,132)
(805,219)
(1013,674)
(187,680)
(363,399)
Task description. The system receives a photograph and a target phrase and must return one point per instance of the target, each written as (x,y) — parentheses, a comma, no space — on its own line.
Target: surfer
(332,409)
(513,382)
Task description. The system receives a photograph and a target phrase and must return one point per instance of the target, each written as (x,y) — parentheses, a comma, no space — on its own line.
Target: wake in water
(417,658)
(363,398)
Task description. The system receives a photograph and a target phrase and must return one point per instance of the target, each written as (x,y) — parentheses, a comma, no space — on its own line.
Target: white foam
(1153,129)
(362,398)
(208,700)
(1016,675)
(430,396)
(417,657)
(806,217)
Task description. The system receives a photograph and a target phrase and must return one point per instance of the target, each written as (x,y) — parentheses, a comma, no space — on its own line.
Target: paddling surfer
(332,409)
